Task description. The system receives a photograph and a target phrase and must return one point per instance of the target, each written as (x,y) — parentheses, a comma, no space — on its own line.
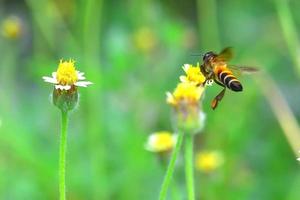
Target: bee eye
(208,55)
(205,56)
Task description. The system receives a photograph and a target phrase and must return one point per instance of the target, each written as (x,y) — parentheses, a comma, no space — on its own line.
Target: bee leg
(208,79)
(219,83)
(218,98)
(203,71)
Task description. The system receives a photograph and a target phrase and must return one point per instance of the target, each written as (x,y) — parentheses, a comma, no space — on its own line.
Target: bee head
(208,56)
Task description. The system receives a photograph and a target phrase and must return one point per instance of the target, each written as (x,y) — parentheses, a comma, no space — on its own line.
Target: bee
(215,68)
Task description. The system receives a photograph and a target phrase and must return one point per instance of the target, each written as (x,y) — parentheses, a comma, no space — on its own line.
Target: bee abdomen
(230,81)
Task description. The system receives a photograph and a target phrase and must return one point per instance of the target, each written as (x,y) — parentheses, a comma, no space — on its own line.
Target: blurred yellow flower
(144,39)
(193,74)
(11,27)
(208,161)
(67,77)
(185,92)
(161,141)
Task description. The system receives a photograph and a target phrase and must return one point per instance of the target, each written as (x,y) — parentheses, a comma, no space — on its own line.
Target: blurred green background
(133,52)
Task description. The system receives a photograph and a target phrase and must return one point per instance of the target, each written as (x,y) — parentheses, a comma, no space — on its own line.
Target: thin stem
(170,169)
(189,166)
(289,31)
(207,12)
(62,155)
(279,105)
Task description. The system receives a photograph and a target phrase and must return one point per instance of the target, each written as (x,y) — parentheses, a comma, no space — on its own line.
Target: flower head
(11,27)
(66,79)
(162,141)
(185,101)
(66,76)
(193,74)
(145,39)
(208,161)
(185,92)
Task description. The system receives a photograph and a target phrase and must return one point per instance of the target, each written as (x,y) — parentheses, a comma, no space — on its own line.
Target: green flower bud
(189,119)
(65,100)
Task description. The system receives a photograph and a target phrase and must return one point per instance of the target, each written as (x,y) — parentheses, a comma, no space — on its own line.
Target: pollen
(185,91)
(208,161)
(66,73)
(193,74)
(11,27)
(161,141)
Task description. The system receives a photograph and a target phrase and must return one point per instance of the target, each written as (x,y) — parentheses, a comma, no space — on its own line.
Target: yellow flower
(67,77)
(185,92)
(11,27)
(161,141)
(208,161)
(144,39)
(193,74)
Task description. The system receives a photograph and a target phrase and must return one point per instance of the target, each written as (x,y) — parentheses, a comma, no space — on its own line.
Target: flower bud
(188,116)
(65,100)
(189,119)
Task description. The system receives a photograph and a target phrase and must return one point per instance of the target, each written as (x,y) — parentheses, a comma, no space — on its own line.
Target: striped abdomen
(229,80)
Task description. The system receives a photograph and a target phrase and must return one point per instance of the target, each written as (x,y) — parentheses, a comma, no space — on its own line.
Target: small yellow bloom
(66,73)
(11,27)
(144,39)
(185,92)
(161,141)
(193,74)
(208,161)
(67,77)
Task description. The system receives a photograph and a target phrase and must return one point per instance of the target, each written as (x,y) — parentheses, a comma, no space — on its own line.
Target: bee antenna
(198,54)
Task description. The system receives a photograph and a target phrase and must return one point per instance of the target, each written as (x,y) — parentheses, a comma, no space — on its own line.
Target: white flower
(66,76)
(161,141)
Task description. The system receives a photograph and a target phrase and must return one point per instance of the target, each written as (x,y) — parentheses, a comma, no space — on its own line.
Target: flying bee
(215,68)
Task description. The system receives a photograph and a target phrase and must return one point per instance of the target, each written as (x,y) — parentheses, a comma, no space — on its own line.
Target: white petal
(186,67)
(54,74)
(81,77)
(63,87)
(80,73)
(83,83)
(170,98)
(151,143)
(183,79)
(169,95)
(50,79)
(298,159)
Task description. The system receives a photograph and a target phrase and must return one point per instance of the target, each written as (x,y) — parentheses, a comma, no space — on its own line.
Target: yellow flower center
(145,39)
(194,74)
(208,161)
(66,73)
(163,141)
(185,92)
(11,28)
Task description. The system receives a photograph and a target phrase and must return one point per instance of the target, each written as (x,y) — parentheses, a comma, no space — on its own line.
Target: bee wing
(225,55)
(243,69)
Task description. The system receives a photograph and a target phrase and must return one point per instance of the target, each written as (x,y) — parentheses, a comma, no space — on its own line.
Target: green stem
(289,30)
(207,12)
(170,169)
(189,167)
(62,155)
